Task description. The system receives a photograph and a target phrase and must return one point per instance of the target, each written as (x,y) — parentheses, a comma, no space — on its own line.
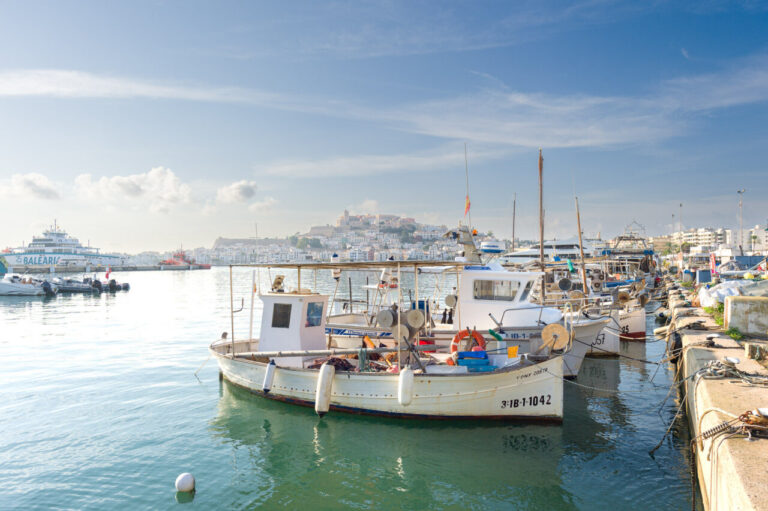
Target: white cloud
(78,84)
(32,185)
(159,188)
(368,206)
(240,191)
(365,165)
(497,115)
(263,206)
(684,52)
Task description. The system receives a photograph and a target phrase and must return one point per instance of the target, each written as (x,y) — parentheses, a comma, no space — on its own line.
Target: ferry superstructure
(564,249)
(57,248)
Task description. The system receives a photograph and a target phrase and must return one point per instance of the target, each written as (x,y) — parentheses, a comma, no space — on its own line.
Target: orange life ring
(477,336)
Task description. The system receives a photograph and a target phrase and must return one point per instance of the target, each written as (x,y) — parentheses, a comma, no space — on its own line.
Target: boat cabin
(486,291)
(293,322)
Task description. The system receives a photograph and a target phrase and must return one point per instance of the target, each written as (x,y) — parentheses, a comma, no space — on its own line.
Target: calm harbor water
(101,409)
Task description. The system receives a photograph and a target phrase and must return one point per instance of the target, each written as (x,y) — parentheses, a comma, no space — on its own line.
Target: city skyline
(150,133)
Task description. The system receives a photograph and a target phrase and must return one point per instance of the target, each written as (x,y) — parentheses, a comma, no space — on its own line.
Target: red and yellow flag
(466,206)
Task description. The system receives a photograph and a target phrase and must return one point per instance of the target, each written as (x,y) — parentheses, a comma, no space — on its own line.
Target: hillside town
(379,237)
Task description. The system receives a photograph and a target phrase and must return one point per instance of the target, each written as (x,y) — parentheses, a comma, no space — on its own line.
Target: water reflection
(367,459)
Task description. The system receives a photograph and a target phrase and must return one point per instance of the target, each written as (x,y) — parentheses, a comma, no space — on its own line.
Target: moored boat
(16,285)
(291,362)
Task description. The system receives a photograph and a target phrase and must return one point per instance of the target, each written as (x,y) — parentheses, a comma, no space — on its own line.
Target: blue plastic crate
(472,354)
(481,369)
(474,362)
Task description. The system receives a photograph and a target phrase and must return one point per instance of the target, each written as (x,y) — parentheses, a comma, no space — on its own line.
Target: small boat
(488,298)
(180,258)
(110,285)
(16,285)
(68,285)
(291,361)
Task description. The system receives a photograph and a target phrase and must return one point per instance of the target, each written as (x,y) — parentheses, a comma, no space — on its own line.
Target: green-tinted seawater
(100,409)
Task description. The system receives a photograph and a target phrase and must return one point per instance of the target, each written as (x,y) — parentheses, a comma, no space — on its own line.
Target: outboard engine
(48,288)
(113,285)
(97,285)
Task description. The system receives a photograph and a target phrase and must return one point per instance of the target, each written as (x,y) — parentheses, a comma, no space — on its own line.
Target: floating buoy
(405,387)
(185,482)
(324,386)
(269,375)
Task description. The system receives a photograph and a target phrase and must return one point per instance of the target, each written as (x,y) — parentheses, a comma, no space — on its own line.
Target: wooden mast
(581,250)
(541,224)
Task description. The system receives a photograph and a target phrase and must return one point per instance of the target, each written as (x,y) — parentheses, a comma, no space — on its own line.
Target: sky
(148,125)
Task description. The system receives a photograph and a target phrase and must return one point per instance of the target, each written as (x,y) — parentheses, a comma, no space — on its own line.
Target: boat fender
(405,387)
(269,375)
(324,386)
(661,331)
(477,336)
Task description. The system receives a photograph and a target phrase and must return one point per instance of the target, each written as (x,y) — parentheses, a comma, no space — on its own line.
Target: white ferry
(56,248)
(561,249)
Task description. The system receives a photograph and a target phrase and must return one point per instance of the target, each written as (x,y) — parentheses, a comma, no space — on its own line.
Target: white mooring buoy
(185,482)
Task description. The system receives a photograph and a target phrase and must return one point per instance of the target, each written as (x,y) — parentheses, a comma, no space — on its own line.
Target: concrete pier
(731,469)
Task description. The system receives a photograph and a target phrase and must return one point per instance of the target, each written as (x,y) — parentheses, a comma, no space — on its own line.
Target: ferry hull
(48,260)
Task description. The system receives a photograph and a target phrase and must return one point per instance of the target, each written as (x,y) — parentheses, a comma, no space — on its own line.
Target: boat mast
(581,249)
(541,222)
(514,210)
(466,175)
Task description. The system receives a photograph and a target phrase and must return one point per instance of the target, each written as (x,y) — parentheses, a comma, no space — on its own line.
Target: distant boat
(180,258)
(16,285)
(492,247)
(57,248)
(66,285)
(562,249)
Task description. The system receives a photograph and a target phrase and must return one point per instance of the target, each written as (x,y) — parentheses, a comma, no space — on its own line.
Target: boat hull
(607,343)
(15,289)
(632,324)
(533,392)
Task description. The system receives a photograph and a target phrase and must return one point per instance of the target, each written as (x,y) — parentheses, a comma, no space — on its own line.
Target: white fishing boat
(291,361)
(488,299)
(16,285)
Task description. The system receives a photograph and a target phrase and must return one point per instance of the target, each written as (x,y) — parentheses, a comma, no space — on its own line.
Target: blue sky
(144,125)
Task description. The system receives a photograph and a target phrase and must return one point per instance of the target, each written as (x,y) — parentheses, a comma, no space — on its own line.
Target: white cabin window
(496,289)
(281,315)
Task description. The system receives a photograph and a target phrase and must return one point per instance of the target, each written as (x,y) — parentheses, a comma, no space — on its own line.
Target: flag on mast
(466,206)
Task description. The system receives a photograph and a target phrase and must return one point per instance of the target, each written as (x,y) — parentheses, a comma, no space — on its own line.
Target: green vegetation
(716,313)
(687,284)
(735,334)
(304,243)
